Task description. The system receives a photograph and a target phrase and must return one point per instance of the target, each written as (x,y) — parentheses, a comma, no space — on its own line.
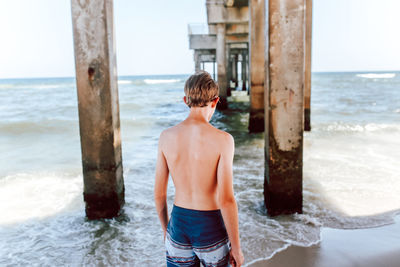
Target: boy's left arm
(160,187)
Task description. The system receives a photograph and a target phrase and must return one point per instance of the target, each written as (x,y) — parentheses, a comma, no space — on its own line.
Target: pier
(79,142)
(224,42)
(269,42)
(272,41)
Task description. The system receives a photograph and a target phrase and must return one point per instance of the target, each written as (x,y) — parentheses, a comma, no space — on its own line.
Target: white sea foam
(351,177)
(52,86)
(159,81)
(36,86)
(6,86)
(268,257)
(124,82)
(307,219)
(377,75)
(353,127)
(27,196)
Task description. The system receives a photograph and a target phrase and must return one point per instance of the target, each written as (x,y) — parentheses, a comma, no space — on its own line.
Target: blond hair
(200,89)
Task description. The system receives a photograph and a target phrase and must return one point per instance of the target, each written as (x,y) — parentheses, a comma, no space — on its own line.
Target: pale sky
(151,36)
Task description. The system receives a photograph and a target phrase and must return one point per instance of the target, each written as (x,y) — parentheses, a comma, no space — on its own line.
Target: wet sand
(359,247)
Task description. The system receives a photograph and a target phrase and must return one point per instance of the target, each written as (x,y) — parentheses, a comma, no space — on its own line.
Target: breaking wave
(377,75)
(156,81)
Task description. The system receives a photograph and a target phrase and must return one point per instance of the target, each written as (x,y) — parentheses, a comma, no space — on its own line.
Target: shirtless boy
(204,220)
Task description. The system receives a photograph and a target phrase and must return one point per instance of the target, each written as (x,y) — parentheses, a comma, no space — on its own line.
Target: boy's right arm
(226,199)
(160,187)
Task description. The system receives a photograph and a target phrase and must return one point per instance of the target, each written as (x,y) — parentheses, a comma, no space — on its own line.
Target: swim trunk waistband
(191,212)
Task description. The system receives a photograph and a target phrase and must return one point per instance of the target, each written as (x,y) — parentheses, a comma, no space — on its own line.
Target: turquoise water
(351,170)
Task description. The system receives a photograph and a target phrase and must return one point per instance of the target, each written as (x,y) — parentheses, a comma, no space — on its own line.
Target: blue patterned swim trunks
(195,236)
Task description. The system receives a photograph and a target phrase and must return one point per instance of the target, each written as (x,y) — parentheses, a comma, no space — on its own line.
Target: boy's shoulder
(170,130)
(222,134)
(169,133)
(218,134)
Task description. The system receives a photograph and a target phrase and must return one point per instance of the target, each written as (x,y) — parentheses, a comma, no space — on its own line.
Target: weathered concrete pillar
(221,66)
(232,70)
(257,61)
(235,70)
(196,61)
(244,71)
(99,125)
(284,153)
(307,70)
(214,69)
(229,70)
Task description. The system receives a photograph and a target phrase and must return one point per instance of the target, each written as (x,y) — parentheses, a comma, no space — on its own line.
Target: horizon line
(141,75)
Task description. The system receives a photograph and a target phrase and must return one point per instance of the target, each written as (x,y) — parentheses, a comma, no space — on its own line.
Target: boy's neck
(199,114)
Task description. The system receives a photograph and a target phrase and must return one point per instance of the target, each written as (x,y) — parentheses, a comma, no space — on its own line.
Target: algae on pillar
(284,138)
(307,70)
(221,66)
(99,124)
(257,61)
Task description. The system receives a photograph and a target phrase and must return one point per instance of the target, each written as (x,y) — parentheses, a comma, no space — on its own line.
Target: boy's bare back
(199,159)
(192,150)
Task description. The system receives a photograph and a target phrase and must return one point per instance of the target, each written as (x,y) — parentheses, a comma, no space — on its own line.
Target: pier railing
(197,28)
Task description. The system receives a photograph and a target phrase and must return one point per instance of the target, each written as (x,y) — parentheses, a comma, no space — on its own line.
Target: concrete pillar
(221,66)
(232,70)
(284,141)
(214,69)
(235,70)
(229,75)
(99,124)
(257,61)
(244,70)
(307,70)
(196,61)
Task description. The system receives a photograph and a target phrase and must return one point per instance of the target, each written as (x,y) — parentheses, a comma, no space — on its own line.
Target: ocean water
(351,169)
